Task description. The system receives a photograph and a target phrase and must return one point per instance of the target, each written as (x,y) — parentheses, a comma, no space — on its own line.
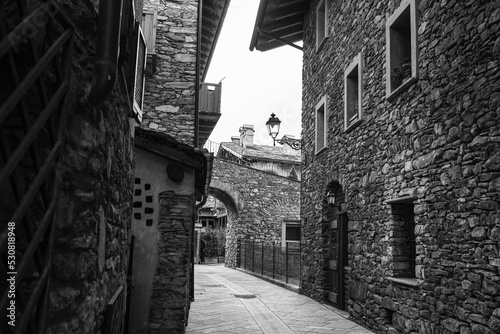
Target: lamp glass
(330,198)
(273,125)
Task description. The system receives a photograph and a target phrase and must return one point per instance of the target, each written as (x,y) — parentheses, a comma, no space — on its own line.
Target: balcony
(209,107)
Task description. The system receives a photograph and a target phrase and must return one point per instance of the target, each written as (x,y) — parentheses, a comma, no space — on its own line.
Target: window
(290,234)
(401,243)
(402,49)
(353,93)
(321,125)
(321,23)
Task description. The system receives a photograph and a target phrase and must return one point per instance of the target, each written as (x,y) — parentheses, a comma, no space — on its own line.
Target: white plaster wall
(151,169)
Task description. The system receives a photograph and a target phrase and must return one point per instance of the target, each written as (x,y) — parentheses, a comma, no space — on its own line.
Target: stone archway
(257,202)
(225,193)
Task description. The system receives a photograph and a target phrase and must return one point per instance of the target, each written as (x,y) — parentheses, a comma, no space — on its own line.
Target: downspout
(198,68)
(107,49)
(208,162)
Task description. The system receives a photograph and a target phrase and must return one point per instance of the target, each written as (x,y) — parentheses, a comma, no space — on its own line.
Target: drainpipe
(198,68)
(208,160)
(107,49)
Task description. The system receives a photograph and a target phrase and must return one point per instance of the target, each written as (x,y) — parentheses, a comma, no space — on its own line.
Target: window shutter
(149,29)
(139,77)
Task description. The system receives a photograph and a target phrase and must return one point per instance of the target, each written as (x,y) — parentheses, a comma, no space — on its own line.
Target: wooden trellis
(36,46)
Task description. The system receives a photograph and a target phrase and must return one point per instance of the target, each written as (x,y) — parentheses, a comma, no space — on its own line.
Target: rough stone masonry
(437,142)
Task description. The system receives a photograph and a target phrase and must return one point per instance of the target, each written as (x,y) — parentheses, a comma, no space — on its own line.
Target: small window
(353,93)
(402,246)
(149,29)
(321,23)
(321,124)
(402,49)
(291,234)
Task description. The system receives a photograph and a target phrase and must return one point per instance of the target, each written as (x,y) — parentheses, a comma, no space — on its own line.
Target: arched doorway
(225,202)
(337,244)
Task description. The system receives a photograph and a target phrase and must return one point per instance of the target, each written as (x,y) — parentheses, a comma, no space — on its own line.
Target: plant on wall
(215,242)
(403,70)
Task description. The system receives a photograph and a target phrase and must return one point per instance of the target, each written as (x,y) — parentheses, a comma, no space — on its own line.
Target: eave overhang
(278,23)
(213,15)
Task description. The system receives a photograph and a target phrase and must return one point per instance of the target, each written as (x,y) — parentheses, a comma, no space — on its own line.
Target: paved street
(230,301)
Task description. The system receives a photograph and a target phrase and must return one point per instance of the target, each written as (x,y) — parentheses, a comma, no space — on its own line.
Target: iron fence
(274,260)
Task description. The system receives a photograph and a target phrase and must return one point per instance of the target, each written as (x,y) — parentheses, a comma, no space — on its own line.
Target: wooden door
(337,246)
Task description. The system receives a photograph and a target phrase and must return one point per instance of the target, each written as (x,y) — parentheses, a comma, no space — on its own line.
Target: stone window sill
(319,45)
(321,150)
(404,86)
(353,125)
(405,281)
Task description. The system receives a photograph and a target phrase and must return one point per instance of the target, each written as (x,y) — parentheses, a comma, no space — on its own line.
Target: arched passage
(257,202)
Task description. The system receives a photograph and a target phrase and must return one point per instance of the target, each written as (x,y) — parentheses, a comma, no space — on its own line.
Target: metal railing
(211,146)
(274,260)
(115,313)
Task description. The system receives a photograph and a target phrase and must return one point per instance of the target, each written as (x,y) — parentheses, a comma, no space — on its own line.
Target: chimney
(246,135)
(235,139)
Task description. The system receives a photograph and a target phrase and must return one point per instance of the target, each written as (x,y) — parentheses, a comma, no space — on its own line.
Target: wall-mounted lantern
(330,198)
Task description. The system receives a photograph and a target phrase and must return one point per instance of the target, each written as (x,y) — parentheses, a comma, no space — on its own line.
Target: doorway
(337,247)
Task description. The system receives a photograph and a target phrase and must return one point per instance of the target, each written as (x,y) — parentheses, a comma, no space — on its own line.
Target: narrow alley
(233,302)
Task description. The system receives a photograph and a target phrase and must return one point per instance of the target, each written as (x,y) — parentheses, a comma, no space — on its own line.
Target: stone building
(172,172)
(66,164)
(260,189)
(401,108)
(279,160)
(260,205)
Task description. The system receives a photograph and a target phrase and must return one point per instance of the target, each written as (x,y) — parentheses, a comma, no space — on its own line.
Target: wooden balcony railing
(210,95)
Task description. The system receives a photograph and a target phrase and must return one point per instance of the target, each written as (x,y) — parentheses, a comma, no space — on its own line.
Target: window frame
(284,225)
(397,274)
(321,104)
(355,69)
(406,7)
(321,13)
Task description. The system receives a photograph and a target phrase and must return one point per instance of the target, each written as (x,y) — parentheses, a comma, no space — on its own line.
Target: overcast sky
(256,83)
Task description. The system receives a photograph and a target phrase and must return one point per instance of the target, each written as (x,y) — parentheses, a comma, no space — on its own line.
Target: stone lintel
(402,200)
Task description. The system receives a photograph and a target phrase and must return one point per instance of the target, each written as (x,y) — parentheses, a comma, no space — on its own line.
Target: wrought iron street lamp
(273,127)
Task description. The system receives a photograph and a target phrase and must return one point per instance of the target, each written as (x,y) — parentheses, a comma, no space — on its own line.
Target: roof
(278,22)
(213,15)
(261,152)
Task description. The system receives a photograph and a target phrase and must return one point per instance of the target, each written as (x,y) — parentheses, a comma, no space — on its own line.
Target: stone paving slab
(229,301)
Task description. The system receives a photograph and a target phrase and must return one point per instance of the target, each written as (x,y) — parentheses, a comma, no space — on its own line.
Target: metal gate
(36,45)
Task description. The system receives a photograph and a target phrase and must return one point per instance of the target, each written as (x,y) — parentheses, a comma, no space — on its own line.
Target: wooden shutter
(149,29)
(139,75)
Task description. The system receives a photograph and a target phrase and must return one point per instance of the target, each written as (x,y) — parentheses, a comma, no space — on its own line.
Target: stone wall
(170,299)
(169,99)
(438,141)
(262,201)
(96,173)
